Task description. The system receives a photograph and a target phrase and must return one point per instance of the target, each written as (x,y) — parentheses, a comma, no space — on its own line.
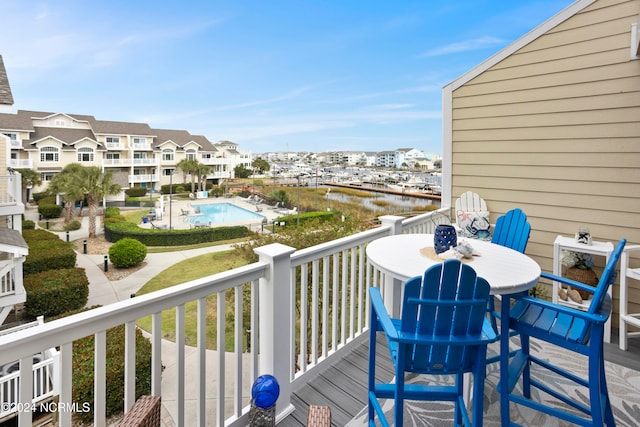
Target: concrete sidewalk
(102,291)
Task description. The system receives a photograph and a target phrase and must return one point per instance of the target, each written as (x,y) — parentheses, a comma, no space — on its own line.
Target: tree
(260,165)
(95,185)
(242,172)
(189,166)
(203,171)
(63,184)
(29,179)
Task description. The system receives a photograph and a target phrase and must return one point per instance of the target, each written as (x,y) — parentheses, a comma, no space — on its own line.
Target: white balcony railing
(117,162)
(10,190)
(144,178)
(21,163)
(303,309)
(7,278)
(141,146)
(114,146)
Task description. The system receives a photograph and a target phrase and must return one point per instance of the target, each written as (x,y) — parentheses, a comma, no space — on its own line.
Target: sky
(279,75)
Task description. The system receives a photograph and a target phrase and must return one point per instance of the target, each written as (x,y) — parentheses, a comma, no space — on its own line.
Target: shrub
(50,211)
(136,192)
(83,364)
(111,212)
(116,231)
(49,200)
(27,224)
(53,292)
(46,252)
(127,253)
(39,196)
(73,225)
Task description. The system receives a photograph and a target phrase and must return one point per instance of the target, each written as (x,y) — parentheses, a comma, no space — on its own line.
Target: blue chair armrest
(381,312)
(589,317)
(568,282)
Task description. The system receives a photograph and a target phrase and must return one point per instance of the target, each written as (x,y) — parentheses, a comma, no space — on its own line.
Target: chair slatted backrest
(470,202)
(606,279)
(512,230)
(449,304)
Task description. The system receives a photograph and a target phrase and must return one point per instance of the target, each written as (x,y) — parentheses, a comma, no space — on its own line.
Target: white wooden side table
(569,244)
(627,318)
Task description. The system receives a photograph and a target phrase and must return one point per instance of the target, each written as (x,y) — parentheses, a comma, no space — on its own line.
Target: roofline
(538,31)
(447,90)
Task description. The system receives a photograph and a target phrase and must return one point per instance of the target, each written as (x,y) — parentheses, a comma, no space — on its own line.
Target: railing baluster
(156,354)
(352,293)
(237,401)
(129,365)
(344,285)
(65,377)
(325,306)
(360,285)
(202,361)
(100,379)
(314,312)
(25,390)
(303,316)
(180,363)
(255,307)
(335,305)
(220,347)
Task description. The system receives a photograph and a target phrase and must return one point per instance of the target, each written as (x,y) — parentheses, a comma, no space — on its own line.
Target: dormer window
(59,123)
(191,154)
(167,155)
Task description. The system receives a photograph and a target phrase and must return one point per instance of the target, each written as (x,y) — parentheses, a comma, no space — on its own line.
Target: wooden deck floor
(343,387)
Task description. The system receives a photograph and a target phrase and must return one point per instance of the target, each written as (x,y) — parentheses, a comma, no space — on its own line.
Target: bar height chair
(443,330)
(578,331)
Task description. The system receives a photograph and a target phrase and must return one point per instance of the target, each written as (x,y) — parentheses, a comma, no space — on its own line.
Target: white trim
(635,40)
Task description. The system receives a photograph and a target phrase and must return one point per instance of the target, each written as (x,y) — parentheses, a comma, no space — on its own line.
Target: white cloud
(464,46)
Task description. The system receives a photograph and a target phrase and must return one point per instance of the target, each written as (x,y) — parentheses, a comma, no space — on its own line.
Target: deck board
(343,386)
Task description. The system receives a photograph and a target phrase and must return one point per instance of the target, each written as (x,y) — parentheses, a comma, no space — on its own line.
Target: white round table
(506,270)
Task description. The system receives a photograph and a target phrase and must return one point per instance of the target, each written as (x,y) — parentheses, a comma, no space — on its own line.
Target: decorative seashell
(449,254)
(562,293)
(574,296)
(465,250)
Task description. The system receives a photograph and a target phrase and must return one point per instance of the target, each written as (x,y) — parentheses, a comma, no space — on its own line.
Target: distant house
(551,124)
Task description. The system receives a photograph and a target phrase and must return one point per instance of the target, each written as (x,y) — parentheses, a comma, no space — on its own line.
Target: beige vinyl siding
(554,128)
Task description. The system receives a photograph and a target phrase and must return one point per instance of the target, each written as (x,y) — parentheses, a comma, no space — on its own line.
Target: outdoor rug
(623,383)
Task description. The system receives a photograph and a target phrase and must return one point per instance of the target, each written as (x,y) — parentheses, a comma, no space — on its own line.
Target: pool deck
(183,210)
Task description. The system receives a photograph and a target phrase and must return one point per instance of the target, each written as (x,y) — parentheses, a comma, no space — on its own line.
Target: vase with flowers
(579,267)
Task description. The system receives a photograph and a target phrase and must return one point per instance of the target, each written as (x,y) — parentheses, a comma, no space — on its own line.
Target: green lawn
(191,269)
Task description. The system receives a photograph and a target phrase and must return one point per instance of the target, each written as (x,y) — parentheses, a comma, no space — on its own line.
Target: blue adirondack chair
(575,330)
(443,330)
(512,230)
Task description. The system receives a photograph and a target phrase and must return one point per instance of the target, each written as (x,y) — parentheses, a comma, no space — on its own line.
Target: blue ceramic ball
(265,391)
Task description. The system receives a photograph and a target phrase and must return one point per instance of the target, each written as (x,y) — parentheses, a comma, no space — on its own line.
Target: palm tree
(30,179)
(203,171)
(63,183)
(95,185)
(189,166)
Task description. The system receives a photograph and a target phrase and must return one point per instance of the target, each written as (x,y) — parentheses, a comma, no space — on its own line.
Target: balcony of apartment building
(307,313)
(143,177)
(21,163)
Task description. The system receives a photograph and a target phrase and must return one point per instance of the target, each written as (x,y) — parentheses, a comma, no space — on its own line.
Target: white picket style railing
(285,337)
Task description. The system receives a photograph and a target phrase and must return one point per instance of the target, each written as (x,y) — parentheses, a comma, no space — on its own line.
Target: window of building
(85,154)
(191,154)
(59,123)
(49,154)
(113,139)
(167,171)
(139,140)
(112,156)
(46,176)
(167,155)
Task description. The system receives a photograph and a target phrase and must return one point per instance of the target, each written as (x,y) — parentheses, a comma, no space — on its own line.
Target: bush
(127,253)
(305,216)
(46,252)
(111,212)
(49,200)
(49,211)
(115,231)
(53,292)
(83,373)
(136,192)
(27,224)
(73,225)
(39,196)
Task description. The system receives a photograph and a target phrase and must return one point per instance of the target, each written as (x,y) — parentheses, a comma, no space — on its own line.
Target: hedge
(49,211)
(83,370)
(46,252)
(53,292)
(114,231)
(136,192)
(305,216)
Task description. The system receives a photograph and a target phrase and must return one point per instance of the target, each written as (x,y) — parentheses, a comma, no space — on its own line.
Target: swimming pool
(216,213)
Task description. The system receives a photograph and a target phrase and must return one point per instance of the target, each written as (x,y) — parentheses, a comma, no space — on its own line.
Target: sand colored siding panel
(619,100)
(628,84)
(557,80)
(553,146)
(606,130)
(579,174)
